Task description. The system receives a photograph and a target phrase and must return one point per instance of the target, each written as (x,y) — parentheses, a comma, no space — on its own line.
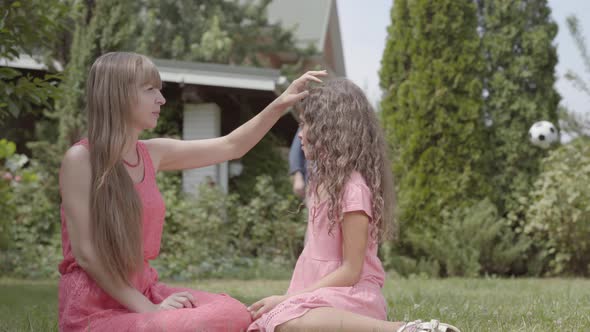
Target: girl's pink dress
(321,256)
(84,306)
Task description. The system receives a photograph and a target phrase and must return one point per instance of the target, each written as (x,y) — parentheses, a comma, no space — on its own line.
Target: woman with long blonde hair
(337,282)
(113,213)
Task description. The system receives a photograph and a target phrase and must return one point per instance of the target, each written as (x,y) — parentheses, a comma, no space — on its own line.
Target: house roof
(26,62)
(219,75)
(314,22)
(308,18)
(191,73)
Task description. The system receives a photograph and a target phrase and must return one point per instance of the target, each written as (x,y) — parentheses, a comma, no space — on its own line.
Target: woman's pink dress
(321,256)
(84,306)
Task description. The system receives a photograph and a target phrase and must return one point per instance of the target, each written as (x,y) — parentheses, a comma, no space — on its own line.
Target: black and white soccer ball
(543,134)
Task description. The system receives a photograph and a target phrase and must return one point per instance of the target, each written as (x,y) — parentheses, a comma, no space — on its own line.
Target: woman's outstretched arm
(172,154)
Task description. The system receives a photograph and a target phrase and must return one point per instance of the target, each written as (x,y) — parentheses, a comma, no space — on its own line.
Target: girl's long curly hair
(343,135)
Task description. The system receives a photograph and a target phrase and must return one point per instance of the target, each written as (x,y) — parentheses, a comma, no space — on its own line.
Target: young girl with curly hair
(338,279)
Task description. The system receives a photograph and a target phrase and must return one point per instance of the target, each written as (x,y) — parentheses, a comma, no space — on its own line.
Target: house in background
(214,100)
(314,22)
(214,97)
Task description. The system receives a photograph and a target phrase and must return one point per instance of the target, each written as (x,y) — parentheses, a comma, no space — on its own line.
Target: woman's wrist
(277,107)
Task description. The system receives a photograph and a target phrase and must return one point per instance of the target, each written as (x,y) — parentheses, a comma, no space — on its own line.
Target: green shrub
(469,242)
(30,219)
(215,235)
(7,210)
(558,216)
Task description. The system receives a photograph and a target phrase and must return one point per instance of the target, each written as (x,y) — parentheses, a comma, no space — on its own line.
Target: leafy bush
(558,216)
(29,219)
(469,242)
(215,235)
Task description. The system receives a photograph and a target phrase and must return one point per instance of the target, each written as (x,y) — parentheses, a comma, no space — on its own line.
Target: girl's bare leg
(331,319)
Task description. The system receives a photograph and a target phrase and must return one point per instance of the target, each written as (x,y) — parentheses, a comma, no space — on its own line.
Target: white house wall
(203,121)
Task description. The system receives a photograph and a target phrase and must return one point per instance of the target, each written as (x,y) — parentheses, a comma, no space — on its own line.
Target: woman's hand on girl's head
(298,88)
(265,305)
(178,301)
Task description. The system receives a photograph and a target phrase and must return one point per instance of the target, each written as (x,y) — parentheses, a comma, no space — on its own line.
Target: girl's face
(303,137)
(146,111)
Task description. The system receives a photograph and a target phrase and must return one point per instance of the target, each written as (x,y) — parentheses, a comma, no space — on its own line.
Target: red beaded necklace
(138,159)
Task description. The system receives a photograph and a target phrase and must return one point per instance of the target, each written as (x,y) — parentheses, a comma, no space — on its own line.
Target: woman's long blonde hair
(115,207)
(343,136)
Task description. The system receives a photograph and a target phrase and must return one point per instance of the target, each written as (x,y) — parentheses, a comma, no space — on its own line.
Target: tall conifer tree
(431,75)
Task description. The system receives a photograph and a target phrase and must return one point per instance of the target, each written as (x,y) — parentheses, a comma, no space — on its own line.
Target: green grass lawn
(471,304)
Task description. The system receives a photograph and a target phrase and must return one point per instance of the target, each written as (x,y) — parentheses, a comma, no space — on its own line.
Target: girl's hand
(265,305)
(177,301)
(298,89)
